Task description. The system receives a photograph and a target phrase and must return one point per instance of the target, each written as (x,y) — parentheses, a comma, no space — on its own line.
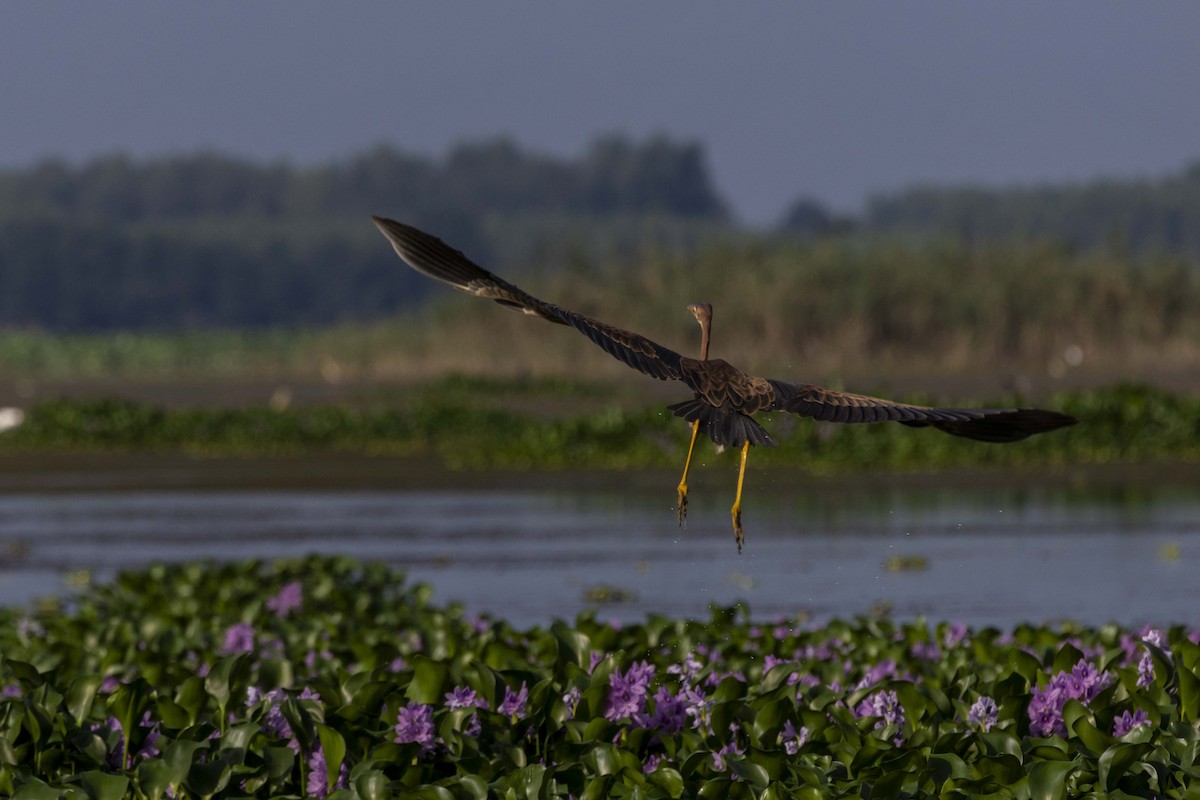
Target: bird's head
(702,312)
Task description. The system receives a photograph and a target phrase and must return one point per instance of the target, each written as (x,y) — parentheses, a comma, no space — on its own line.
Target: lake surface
(530,548)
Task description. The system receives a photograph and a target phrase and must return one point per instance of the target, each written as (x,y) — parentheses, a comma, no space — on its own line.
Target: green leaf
(429,680)
(81,695)
(280,761)
(33,789)
(373,785)
(154,776)
(333,746)
(1189,695)
(1092,737)
(573,646)
(179,757)
(103,786)
(208,778)
(667,779)
(1115,762)
(750,772)
(475,786)
(1048,780)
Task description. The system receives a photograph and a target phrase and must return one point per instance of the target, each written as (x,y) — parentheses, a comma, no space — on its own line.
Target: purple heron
(724,397)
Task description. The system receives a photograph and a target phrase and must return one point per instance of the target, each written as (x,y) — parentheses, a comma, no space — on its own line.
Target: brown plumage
(724,397)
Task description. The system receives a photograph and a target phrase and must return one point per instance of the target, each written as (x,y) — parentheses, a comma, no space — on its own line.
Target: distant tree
(210,240)
(810,219)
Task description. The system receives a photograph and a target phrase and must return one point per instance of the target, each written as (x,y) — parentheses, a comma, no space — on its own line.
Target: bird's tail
(723,426)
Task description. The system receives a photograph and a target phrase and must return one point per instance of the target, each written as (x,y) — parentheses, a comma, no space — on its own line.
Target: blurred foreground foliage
(1123,424)
(328,677)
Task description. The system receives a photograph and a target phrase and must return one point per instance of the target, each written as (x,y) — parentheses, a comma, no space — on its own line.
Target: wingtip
(383,223)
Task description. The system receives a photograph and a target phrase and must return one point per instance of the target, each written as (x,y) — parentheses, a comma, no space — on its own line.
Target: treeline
(208,240)
(614,176)
(1134,217)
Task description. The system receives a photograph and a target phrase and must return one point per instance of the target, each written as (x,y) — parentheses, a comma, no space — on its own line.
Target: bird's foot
(682,506)
(738,535)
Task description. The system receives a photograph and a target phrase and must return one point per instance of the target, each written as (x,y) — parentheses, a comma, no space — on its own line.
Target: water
(530,552)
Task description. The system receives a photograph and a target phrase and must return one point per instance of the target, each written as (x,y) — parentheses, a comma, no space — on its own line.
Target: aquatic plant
(365,689)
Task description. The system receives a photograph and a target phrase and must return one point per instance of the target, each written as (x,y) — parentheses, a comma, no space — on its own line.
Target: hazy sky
(834,100)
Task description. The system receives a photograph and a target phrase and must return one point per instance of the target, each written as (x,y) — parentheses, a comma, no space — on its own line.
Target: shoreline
(345,471)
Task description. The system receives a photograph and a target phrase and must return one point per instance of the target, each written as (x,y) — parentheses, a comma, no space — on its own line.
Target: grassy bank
(474,425)
(833,308)
(325,677)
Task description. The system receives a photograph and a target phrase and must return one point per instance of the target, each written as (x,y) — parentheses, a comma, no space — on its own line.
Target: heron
(724,398)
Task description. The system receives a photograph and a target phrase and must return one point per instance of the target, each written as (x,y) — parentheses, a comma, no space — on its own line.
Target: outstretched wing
(433,257)
(985,424)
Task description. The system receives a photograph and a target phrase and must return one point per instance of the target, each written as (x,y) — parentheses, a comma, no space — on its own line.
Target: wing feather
(986,424)
(434,258)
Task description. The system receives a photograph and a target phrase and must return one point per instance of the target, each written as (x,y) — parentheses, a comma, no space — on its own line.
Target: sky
(831,101)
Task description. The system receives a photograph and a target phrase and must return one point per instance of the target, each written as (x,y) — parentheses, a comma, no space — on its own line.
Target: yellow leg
(736,511)
(682,507)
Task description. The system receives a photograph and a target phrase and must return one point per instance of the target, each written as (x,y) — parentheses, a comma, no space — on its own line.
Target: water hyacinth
(239,638)
(627,693)
(1127,722)
(513,704)
(983,713)
(414,724)
(663,708)
(289,598)
(1082,683)
(318,775)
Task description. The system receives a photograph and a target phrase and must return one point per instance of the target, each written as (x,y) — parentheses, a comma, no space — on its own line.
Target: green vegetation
(211,241)
(326,677)
(468,425)
(786,309)
(1131,216)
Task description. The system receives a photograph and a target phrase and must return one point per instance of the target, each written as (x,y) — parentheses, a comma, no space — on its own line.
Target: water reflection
(982,555)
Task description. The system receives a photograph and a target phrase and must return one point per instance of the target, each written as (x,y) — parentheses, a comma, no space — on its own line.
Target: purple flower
(10,690)
(698,706)
(689,669)
(1146,670)
(884,704)
(983,713)
(239,638)
(652,763)
(318,775)
(627,693)
(728,750)
(514,702)
(310,658)
(398,664)
(792,739)
(1127,722)
(884,669)
(571,698)
(955,635)
(670,712)
(770,662)
(464,697)
(1155,637)
(1045,713)
(927,651)
(290,597)
(150,746)
(1082,683)
(1088,681)
(415,724)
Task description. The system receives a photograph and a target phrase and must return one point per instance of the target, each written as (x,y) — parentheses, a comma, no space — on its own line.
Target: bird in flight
(724,397)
